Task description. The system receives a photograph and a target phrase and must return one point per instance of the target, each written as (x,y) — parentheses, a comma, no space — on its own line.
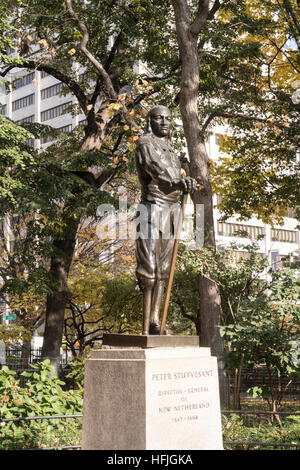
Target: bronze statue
(159,171)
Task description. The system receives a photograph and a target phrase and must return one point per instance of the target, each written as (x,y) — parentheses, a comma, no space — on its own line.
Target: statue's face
(161,121)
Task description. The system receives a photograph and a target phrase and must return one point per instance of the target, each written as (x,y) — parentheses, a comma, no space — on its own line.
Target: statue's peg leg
(147,298)
(155,307)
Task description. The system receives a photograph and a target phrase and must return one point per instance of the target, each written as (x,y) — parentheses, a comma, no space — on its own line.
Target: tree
(212,71)
(260,313)
(260,177)
(93,307)
(111,129)
(15,155)
(266,332)
(188,31)
(236,282)
(232,56)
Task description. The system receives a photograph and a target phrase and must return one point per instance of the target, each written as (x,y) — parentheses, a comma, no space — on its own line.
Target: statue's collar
(162,142)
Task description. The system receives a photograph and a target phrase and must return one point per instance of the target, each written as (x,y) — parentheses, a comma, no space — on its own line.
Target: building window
(221,228)
(23,102)
(65,128)
(239,230)
(23,81)
(51,91)
(281,235)
(25,119)
(52,113)
(68,128)
(3,109)
(275,260)
(83,77)
(30,142)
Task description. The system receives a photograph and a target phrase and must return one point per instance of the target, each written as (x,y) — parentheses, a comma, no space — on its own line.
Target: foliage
(236,279)
(29,309)
(42,395)
(75,378)
(15,157)
(67,184)
(266,332)
(94,308)
(259,173)
(243,428)
(268,325)
(184,303)
(260,317)
(68,181)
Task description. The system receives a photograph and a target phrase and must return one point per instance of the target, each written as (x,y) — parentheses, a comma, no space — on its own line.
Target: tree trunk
(56,301)
(210,302)
(25,353)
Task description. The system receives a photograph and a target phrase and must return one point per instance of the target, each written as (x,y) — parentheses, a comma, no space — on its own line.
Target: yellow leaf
(72,51)
(131,114)
(131,147)
(43,42)
(126,128)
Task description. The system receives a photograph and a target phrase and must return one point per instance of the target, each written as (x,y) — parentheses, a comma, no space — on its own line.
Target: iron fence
(244,444)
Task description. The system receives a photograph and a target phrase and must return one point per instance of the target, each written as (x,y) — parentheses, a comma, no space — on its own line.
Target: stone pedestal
(155,397)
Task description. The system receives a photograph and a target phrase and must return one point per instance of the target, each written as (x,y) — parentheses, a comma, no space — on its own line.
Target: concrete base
(150,341)
(153,398)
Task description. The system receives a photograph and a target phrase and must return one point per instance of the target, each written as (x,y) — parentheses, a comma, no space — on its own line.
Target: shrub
(42,395)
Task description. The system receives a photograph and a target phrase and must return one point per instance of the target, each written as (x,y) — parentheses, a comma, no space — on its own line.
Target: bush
(42,395)
(252,429)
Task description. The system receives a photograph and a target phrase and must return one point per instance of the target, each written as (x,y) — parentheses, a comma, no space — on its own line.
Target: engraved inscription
(183,397)
(183,375)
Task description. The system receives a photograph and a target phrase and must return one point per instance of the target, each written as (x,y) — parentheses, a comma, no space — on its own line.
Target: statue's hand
(190,183)
(187,184)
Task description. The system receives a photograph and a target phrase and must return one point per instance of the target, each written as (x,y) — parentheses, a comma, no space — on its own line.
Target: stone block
(151,398)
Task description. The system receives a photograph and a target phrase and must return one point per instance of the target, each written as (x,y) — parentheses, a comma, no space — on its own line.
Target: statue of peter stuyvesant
(159,171)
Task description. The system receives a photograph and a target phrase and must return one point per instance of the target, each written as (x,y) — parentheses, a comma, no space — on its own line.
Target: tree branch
(113,52)
(82,46)
(237,116)
(213,10)
(201,17)
(74,87)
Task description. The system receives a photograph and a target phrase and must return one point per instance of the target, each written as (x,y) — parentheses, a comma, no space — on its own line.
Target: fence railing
(276,444)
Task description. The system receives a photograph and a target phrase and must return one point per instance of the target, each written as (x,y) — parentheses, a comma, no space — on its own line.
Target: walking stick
(173,262)
(174,256)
